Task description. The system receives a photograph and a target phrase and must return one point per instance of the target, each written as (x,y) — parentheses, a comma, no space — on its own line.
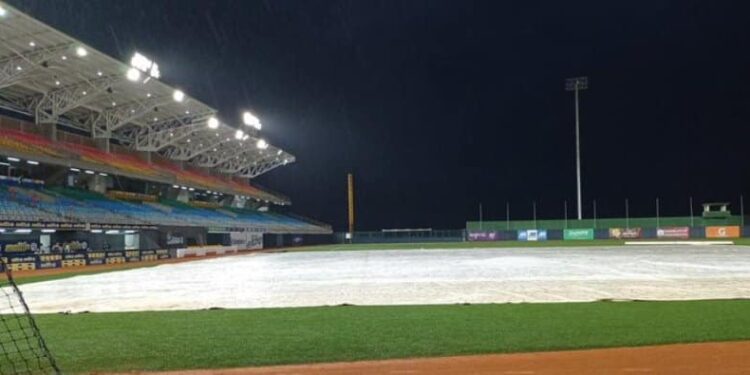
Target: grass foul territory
(234,338)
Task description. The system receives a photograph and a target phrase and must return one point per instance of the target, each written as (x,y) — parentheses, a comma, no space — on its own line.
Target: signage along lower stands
(32,261)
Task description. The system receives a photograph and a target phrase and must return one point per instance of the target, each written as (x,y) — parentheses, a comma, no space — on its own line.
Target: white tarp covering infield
(389,277)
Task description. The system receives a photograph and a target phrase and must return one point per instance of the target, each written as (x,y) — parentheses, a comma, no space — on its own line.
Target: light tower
(577,84)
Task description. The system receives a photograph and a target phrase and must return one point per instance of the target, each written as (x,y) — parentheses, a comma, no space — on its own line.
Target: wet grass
(106,342)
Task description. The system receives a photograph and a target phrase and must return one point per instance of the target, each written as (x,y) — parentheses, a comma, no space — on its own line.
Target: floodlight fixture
(262,144)
(178,96)
(577,83)
(213,122)
(250,120)
(133,74)
(3,12)
(81,52)
(239,134)
(145,65)
(140,62)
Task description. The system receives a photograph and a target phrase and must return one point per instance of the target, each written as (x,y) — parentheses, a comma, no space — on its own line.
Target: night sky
(437,106)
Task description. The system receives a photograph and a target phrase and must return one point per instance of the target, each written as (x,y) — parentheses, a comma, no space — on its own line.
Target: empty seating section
(123,162)
(30,144)
(20,208)
(37,204)
(35,145)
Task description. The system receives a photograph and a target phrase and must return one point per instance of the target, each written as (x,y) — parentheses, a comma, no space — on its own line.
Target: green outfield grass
(107,342)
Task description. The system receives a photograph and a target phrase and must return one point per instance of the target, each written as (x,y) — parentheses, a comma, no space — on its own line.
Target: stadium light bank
(141,65)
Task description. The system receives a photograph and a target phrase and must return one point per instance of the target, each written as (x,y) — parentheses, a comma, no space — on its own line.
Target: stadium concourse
(102,163)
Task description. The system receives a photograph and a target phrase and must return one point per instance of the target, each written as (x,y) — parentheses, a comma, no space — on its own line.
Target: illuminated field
(406,277)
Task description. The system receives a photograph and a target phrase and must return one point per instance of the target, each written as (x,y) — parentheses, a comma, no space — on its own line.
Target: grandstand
(101,157)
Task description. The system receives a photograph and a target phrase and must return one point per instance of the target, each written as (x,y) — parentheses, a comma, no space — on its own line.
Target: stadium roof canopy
(57,79)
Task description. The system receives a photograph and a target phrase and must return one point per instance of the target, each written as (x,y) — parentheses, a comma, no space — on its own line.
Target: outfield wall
(666,232)
(639,222)
(614,233)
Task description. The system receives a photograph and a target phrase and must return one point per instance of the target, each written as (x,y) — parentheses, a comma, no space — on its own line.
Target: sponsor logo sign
(625,233)
(578,234)
(673,232)
(74,256)
(246,240)
(723,232)
(174,239)
(532,235)
(48,265)
(484,236)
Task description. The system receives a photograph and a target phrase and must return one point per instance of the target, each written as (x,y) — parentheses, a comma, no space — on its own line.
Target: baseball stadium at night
(366,187)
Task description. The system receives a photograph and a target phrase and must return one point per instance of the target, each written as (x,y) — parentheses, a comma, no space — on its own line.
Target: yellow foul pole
(350,185)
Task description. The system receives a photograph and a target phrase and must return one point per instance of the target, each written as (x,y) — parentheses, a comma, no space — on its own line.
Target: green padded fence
(641,222)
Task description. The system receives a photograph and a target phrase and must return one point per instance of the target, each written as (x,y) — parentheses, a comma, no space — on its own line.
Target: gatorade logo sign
(723,232)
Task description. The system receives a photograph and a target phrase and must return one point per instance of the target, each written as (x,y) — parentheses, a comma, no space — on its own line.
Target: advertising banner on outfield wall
(673,232)
(625,233)
(484,236)
(578,234)
(532,235)
(723,232)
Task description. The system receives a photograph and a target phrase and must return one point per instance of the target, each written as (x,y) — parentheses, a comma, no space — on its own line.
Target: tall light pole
(577,84)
